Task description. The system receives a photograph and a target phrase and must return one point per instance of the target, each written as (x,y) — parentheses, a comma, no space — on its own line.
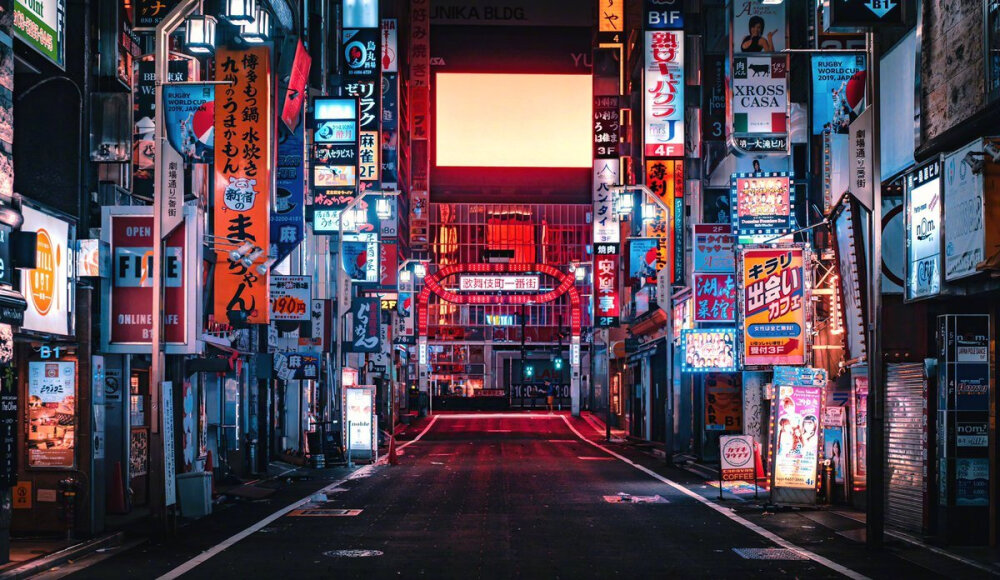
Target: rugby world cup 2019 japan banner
(773,303)
(243,134)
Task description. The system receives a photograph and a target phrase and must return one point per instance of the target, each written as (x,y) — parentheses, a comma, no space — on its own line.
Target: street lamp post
(404,282)
(339,266)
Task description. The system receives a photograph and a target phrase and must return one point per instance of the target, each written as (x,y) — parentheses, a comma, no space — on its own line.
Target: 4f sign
(851,15)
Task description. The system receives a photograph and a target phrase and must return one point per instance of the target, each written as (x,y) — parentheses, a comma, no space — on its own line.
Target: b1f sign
(664,14)
(664,94)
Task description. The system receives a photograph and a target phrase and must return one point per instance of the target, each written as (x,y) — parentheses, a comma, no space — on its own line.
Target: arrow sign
(880,7)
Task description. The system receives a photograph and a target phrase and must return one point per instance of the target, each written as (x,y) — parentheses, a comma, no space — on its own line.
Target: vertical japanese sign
(362,59)
(607,301)
(714,297)
(288,218)
(607,122)
(923,239)
(713,248)
(390,104)
(761,206)
(368,159)
(610,20)
(243,127)
(773,305)
(418,121)
(606,176)
(759,103)
(364,334)
(713,112)
(51,436)
(664,94)
(9,422)
(665,178)
(144,124)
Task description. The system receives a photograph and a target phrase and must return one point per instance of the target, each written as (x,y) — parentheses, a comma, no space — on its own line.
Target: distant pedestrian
(550,394)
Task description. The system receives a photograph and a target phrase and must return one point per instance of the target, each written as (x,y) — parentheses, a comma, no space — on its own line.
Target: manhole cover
(352,553)
(323,512)
(769,554)
(626,498)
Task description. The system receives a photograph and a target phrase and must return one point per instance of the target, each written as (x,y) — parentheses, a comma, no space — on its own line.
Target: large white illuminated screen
(513,120)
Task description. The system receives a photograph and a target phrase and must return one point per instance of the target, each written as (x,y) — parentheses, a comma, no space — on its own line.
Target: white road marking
(218,548)
(422,433)
(743,522)
(588,458)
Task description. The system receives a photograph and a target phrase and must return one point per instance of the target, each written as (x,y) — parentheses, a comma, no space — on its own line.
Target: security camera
(992,150)
(975,162)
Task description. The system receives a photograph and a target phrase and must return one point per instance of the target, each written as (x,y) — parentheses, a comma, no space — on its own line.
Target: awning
(12,307)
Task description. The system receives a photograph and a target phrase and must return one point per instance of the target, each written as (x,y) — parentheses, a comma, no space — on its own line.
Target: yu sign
(364,333)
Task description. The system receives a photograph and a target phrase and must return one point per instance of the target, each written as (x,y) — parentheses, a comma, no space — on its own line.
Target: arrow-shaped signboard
(851,15)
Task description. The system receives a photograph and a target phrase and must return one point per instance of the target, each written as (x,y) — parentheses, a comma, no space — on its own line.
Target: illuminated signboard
(773,305)
(500,283)
(714,297)
(708,350)
(608,302)
(291,298)
(664,93)
(40,24)
(763,206)
(923,239)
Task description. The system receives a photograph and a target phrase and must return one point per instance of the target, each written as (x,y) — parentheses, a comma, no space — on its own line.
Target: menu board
(51,414)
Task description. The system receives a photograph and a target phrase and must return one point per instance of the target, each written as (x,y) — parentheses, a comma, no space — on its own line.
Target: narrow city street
(521,495)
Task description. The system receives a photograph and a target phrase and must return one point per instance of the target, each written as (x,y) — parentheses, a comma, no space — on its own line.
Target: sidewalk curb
(42,563)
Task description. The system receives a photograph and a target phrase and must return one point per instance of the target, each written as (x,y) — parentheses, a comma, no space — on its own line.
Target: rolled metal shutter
(906,446)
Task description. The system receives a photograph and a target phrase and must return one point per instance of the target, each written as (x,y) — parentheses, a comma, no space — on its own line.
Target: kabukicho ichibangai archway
(565,284)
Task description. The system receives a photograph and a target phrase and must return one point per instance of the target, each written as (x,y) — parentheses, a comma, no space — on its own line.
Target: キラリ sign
(773,305)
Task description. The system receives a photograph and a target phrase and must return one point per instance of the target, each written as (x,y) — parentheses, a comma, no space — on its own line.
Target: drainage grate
(769,554)
(352,553)
(323,512)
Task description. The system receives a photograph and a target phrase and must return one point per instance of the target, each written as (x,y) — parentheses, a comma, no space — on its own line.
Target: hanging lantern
(240,11)
(199,34)
(259,30)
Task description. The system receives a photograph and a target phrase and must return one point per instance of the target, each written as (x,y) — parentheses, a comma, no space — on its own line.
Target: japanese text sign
(508,283)
(714,297)
(773,305)
(606,176)
(607,300)
(797,435)
(291,297)
(713,248)
(762,206)
(664,93)
(365,320)
(607,123)
(665,178)
(923,237)
(737,455)
(243,132)
(288,218)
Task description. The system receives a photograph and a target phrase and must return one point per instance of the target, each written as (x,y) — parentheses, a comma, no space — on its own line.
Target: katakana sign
(774,302)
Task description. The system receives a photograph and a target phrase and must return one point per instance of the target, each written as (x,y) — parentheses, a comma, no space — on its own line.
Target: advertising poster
(243,180)
(607,304)
(365,321)
(665,178)
(288,218)
(708,350)
(760,98)
(664,93)
(359,419)
(723,403)
(47,287)
(606,175)
(8,432)
(130,312)
(964,224)
(922,224)
(361,257)
(838,82)
(737,457)
(773,305)
(51,414)
(797,436)
(291,297)
(859,454)
(714,297)
(189,113)
(642,254)
(972,481)
(833,450)
(683,316)
(143,119)
(763,206)
(758,26)
(713,248)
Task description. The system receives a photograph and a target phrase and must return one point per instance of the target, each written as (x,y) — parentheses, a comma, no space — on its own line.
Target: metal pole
(876,434)
(606,334)
(162,51)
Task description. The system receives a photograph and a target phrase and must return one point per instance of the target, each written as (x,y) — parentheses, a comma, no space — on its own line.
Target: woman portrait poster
(758,27)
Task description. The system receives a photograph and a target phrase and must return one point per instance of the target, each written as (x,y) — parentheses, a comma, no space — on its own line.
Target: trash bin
(194,492)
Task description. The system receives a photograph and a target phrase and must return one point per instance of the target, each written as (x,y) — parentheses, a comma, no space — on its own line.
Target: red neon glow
(513,120)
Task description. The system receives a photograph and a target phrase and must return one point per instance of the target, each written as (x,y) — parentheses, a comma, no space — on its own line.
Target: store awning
(12,307)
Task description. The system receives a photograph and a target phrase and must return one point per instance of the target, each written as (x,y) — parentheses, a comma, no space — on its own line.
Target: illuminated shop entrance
(489,366)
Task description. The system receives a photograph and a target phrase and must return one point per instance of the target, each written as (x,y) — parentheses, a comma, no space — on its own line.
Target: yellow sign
(773,306)
(611,15)
(22,495)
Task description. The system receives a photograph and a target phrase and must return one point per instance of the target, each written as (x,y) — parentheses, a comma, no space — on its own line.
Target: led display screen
(513,120)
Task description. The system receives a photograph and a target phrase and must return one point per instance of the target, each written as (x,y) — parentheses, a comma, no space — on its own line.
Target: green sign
(39,23)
